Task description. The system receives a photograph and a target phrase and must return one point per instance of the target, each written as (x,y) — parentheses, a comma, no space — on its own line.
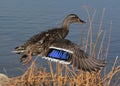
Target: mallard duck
(44,37)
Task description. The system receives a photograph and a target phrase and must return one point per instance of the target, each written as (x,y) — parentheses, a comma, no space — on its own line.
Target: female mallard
(44,38)
(66,52)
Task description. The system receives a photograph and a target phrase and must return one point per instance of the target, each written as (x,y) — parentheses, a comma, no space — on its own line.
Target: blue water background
(21,19)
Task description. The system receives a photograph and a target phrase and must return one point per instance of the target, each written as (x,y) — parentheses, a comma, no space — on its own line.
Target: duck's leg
(23,58)
(29,59)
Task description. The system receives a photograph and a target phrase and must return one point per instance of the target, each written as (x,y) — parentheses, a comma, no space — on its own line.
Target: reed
(69,76)
(36,76)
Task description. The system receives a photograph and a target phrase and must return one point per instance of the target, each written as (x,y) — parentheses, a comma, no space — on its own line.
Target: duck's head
(72,18)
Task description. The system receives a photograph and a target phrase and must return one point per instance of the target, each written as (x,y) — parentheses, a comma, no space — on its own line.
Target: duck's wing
(66,52)
(46,36)
(40,38)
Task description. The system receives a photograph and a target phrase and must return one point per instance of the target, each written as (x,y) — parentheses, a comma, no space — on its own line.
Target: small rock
(3,79)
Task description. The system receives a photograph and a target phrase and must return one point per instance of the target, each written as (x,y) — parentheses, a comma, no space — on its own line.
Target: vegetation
(69,76)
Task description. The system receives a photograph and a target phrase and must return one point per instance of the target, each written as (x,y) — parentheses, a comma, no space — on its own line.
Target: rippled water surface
(20,19)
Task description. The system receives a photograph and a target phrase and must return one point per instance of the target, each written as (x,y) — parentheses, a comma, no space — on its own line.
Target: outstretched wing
(66,52)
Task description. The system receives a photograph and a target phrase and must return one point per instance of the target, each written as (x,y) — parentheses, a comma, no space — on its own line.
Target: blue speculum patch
(58,54)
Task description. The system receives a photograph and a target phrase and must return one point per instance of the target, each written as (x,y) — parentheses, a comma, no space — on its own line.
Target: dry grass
(64,76)
(68,76)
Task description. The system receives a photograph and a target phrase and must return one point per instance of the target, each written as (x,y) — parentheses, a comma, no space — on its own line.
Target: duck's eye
(76,17)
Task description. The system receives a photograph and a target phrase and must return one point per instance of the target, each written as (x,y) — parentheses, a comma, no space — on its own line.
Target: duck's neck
(65,24)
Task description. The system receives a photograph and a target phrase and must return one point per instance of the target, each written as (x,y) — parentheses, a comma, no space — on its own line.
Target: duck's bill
(81,21)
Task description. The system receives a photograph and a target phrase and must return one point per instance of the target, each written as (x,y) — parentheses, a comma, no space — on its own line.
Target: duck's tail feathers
(18,50)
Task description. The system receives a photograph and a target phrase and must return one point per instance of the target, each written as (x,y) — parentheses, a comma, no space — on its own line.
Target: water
(20,19)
